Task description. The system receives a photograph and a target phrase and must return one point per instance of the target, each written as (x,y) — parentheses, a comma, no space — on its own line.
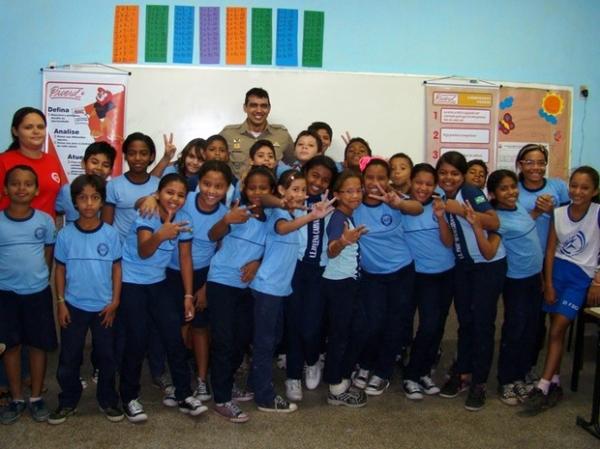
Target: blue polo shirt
(88,257)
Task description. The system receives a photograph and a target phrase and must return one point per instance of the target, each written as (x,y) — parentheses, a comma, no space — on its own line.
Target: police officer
(241,137)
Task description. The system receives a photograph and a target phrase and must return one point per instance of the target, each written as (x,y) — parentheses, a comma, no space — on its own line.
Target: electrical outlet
(583,91)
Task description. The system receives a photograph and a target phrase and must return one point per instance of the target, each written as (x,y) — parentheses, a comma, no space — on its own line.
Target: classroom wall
(537,41)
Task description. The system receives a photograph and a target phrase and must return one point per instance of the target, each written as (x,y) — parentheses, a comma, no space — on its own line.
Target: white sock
(544,385)
(34,399)
(337,389)
(555,379)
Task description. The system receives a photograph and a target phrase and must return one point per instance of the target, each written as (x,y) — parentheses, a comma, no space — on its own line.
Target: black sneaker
(192,406)
(536,402)
(279,405)
(555,394)
(113,414)
(476,398)
(453,387)
(352,397)
(60,415)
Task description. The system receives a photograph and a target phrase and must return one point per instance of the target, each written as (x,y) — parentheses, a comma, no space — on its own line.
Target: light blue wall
(543,41)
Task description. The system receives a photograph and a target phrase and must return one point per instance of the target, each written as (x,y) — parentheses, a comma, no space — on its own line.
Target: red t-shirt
(48,171)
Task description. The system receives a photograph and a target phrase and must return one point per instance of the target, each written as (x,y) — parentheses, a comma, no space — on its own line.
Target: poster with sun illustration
(534,115)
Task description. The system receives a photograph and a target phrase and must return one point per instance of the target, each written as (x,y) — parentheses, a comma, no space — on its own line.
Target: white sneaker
(135,412)
(293,389)
(429,386)
(312,376)
(412,390)
(376,386)
(361,378)
(169,397)
(192,406)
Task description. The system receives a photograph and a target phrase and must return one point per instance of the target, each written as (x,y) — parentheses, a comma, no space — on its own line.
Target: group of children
(188,263)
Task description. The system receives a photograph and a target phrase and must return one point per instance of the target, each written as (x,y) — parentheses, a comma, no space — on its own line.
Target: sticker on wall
(262,36)
(506,123)
(507,103)
(157,30)
(312,43)
(236,36)
(552,105)
(210,38)
(125,34)
(287,37)
(183,34)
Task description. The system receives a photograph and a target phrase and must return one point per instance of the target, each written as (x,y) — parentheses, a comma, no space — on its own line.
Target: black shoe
(352,397)
(453,387)
(536,402)
(60,415)
(279,405)
(113,414)
(476,398)
(555,394)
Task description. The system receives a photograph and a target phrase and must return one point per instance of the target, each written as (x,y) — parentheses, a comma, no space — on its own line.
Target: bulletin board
(535,115)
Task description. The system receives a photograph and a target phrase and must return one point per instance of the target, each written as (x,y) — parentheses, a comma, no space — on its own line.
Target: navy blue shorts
(28,320)
(175,285)
(571,284)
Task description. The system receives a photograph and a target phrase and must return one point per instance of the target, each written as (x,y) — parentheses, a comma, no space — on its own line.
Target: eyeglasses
(351,191)
(530,163)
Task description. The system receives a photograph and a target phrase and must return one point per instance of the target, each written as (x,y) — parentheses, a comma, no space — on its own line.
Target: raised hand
(170,148)
(470,215)
(170,230)
(346,137)
(238,214)
(322,208)
(439,207)
(350,236)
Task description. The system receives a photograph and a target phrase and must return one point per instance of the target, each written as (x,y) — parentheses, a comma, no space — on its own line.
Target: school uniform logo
(102,249)
(574,245)
(386,219)
(55,177)
(40,233)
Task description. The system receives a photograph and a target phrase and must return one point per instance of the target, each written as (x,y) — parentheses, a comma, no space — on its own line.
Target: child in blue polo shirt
(145,299)
(123,191)
(522,292)
(88,286)
(273,282)
(26,315)
(241,233)
(434,272)
(206,208)
(387,275)
(98,159)
(340,292)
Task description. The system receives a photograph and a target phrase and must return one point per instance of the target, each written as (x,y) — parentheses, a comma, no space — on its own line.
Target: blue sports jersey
(383,249)
(122,194)
(312,248)
(88,257)
(274,277)
(465,244)
(244,243)
(345,265)
(524,255)
(422,233)
(152,269)
(64,204)
(23,267)
(560,196)
(202,247)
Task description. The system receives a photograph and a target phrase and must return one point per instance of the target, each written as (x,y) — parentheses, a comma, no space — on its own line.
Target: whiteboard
(388,110)
(385,109)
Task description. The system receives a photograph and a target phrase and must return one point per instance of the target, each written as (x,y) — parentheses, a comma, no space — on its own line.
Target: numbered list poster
(463,119)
